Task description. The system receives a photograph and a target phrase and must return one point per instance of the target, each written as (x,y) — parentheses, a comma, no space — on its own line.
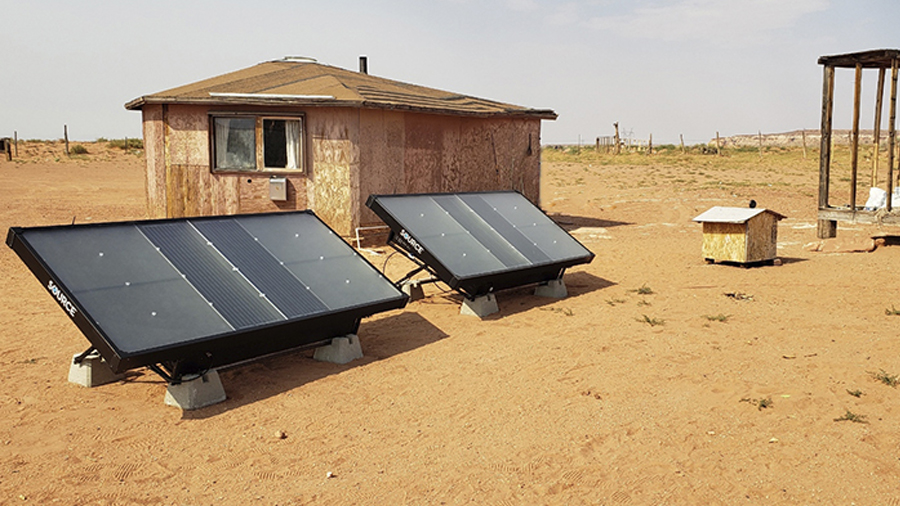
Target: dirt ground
(686,395)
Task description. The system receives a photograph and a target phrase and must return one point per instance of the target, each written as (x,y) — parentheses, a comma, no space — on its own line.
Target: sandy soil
(573,401)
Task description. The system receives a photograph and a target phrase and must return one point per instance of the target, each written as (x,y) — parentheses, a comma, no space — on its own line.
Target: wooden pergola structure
(828,215)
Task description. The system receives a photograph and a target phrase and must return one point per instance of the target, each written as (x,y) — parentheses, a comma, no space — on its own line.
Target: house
(741,235)
(325,138)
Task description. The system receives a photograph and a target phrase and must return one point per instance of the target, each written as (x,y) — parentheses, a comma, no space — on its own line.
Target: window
(254,143)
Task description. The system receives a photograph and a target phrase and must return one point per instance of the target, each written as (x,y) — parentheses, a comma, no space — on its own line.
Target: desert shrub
(132,143)
(78,149)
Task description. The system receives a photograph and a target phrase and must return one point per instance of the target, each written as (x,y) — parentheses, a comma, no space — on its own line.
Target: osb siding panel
(762,238)
(335,162)
(188,135)
(226,194)
(449,154)
(155,159)
(725,242)
(381,138)
(424,152)
(254,194)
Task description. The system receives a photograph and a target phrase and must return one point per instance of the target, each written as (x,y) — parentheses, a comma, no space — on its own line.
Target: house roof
(303,82)
(874,58)
(733,214)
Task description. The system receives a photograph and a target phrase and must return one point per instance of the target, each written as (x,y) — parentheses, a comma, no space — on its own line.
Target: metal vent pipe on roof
(363,64)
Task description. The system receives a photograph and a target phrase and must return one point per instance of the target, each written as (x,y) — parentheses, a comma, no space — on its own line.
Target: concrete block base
(480,306)
(196,393)
(341,350)
(413,289)
(92,371)
(555,289)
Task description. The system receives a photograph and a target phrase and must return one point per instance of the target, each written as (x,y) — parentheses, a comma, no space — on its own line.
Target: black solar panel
(204,292)
(480,242)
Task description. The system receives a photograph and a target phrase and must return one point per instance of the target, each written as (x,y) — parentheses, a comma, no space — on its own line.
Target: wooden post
(597,145)
(718,145)
(803,134)
(892,134)
(759,137)
(16,141)
(616,124)
(681,137)
(826,228)
(876,141)
(66,137)
(854,144)
(650,145)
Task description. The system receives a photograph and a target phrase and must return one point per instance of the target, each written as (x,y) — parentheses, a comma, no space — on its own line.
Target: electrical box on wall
(278,188)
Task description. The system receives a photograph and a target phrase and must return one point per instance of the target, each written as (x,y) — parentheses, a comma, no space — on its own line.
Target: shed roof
(303,82)
(720,214)
(874,58)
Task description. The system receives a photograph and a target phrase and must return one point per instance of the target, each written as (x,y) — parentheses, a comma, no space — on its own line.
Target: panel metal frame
(201,354)
(475,285)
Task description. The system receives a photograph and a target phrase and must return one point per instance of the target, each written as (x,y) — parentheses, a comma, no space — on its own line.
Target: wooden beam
(854,144)
(826,230)
(892,134)
(879,95)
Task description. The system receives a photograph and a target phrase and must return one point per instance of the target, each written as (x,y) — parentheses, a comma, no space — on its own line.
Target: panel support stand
(341,350)
(90,370)
(413,288)
(555,289)
(205,390)
(480,306)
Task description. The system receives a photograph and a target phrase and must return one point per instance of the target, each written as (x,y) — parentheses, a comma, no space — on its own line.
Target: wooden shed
(329,137)
(741,235)
(838,203)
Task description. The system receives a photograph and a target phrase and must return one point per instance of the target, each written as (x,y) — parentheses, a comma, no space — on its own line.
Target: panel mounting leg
(88,369)
(341,350)
(413,289)
(480,306)
(204,390)
(555,289)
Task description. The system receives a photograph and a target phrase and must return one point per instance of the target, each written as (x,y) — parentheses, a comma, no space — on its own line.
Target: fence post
(66,137)
(681,136)
(616,124)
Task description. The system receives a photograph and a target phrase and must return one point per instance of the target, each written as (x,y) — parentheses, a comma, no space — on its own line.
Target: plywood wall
(155,158)
(334,133)
(762,238)
(350,154)
(180,182)
(725,242)
(422,153)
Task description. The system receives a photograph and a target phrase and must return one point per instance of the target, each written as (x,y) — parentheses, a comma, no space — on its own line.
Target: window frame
(259,155)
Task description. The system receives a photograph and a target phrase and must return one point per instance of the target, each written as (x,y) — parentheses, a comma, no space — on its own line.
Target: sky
(664,68)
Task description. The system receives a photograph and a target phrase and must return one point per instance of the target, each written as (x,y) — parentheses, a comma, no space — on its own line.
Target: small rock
(280,434)
(329,475)
(773,440)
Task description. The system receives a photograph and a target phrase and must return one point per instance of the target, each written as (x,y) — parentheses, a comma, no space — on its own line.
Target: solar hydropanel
(480,242)
(203,292)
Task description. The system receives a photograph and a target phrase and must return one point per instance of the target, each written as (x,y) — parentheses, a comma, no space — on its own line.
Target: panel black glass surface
(478,242)
(211,290)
